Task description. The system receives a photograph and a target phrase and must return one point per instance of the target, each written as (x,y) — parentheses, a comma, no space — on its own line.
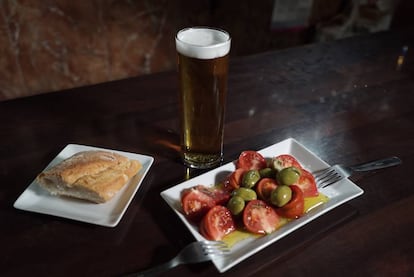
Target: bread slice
(95,176)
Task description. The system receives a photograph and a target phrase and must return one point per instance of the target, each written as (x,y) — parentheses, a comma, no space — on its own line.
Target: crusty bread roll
(91,175)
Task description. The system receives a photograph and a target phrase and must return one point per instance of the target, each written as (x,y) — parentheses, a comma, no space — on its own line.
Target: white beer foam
(203,43)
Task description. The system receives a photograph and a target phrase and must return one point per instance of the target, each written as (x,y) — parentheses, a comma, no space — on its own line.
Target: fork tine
(195,252)
(213,242)
(335,178)
(333,174)
(322,173)
(215,248)
(217,252)
(326,177)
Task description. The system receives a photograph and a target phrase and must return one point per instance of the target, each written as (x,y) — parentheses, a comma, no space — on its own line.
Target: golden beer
(203,55)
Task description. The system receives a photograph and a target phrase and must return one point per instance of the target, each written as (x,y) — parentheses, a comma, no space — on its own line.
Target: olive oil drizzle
(239,234)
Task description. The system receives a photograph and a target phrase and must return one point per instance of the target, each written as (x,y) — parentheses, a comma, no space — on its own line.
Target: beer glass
(203,57)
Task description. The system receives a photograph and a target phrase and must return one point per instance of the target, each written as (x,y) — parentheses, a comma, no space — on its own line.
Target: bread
(95,176)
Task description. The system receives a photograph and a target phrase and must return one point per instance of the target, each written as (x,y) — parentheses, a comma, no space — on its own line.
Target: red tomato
(260,218)
(307,184)
(295,207)
(196,203)
(203,232)
(251,160)
(283,161)
(219,195)
(234,179)
(217,223)
(265,187)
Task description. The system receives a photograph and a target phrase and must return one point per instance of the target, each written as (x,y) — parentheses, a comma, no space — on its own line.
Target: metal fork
(333,174)
(196,252)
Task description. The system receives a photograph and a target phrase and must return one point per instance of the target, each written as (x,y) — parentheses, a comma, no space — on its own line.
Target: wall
(50,45)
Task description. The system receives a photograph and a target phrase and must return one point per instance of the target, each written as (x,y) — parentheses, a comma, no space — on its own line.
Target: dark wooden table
(348,101)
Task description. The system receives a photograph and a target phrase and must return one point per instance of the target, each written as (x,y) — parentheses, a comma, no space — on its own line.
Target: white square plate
(37,199)
(338,194)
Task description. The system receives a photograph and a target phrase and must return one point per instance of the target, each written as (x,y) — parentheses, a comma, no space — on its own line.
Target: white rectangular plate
(36,199)
(338,194)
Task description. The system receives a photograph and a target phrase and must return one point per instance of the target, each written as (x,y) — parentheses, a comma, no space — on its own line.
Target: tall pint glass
(203,58)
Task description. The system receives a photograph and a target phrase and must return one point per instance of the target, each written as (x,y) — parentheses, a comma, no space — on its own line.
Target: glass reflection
(401,57)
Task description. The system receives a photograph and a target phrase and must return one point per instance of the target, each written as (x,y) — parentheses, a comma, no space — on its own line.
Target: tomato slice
(233,181)
(217,223)
(307,184)
(295,207)
(195,203)
(265,187)
(250,159)
(203,232)
(260,218)
(282,161)
(220,195)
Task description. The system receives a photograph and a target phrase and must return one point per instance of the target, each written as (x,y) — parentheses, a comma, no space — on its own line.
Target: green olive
(236,205)
(288,176)
(267,172)
(250,178)
(281,196)
(276,164)
(245,193)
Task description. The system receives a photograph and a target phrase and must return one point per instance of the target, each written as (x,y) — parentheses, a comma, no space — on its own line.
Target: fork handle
(377,164)
(153,271)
